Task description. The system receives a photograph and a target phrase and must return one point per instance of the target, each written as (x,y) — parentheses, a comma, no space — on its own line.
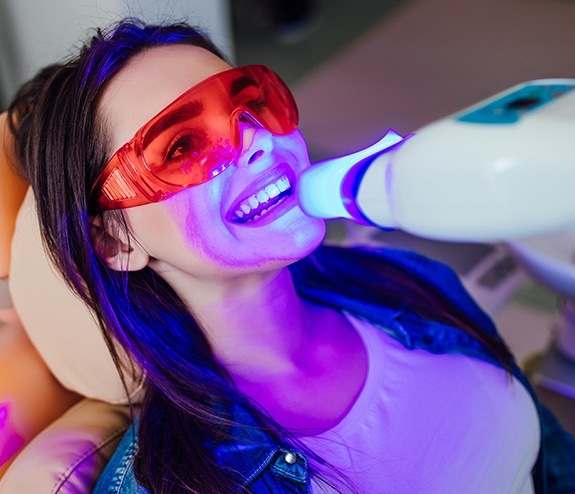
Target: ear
(116,249)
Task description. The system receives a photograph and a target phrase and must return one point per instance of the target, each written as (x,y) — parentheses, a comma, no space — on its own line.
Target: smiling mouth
(261,203)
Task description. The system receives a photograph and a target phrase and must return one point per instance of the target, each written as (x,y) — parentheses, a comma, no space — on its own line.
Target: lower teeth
(264,211)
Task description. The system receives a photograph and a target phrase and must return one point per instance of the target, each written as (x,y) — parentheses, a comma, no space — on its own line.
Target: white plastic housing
(461,180)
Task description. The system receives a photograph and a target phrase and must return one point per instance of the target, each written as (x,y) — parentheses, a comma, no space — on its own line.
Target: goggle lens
(195,137)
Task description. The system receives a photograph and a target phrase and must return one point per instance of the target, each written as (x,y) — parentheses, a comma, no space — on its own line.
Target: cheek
(197,218)
(295,143)
(158,230)
(309,235)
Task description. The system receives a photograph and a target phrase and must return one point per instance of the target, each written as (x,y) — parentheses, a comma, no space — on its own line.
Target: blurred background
(356,69)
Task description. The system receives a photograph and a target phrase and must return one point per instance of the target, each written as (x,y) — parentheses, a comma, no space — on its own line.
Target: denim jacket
(263,466)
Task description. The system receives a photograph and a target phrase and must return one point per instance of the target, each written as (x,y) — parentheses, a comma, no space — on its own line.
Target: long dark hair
(61,146)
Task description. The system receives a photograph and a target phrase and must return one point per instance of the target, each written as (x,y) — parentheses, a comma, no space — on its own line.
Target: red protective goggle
(195,138)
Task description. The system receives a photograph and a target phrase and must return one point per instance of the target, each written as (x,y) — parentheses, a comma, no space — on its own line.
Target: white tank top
(427,423)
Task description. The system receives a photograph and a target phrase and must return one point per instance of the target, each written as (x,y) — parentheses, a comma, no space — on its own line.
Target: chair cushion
(12,191)
(58,323)
(70,454)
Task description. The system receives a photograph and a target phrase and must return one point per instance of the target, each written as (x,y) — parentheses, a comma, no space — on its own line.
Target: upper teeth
(263,196)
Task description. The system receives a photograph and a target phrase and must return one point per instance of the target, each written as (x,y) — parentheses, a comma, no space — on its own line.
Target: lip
(253,188)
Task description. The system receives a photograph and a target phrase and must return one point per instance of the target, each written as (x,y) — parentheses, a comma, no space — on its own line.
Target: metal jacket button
(290,458)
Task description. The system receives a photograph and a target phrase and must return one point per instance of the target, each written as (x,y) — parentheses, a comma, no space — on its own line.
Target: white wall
(34,33)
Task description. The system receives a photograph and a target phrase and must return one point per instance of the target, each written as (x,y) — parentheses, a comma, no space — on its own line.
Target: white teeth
(263,196)
(272,191)
(283,184)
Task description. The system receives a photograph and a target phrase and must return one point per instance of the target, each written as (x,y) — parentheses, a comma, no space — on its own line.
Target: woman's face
(198,231)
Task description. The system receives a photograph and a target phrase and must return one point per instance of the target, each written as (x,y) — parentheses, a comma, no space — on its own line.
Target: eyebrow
(240,84)
(185,112)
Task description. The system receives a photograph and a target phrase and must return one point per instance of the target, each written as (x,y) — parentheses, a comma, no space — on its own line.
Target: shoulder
(409,261)
(376,264)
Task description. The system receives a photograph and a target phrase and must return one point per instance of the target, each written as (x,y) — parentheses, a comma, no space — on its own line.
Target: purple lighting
(10,440)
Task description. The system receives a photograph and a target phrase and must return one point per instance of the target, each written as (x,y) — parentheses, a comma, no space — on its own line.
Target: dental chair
(68,455)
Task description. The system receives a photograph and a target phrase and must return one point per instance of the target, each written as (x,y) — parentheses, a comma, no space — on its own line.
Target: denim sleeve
(118,476)
(559,447)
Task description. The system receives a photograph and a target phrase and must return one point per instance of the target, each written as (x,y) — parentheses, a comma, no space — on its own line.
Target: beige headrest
(58,323)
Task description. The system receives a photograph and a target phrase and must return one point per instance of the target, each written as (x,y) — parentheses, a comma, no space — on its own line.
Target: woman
(164,182)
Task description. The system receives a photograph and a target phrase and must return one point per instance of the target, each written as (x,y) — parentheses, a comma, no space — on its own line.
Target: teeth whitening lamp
(501,169)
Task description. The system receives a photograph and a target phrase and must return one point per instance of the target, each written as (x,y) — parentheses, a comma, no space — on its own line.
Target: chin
(306,240)
(297,243)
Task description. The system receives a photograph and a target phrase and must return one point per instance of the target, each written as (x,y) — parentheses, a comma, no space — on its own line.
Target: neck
(271,341)
(256,323)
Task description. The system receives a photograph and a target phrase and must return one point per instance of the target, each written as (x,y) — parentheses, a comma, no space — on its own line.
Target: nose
(255,140)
